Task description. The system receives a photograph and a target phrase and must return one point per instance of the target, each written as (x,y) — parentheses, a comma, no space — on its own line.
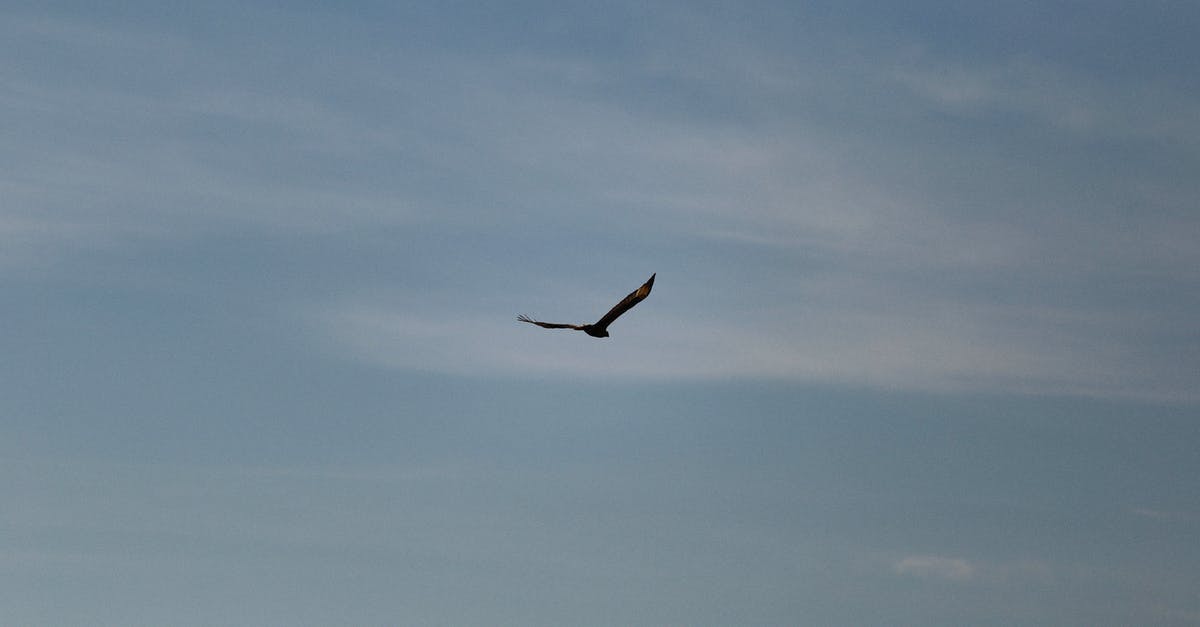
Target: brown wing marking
(627,303)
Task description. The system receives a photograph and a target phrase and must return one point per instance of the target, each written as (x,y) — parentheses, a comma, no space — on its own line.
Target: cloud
(869,225)
(1054,97)
(1155,514)
(1162,515)
(1178,615)
(843,334)
(934,567)
(192,142)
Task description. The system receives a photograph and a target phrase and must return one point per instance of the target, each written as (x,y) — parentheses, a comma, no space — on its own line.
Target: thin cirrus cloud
(935,567)
(903,241)
(923,285)
(931,347)
(961,570)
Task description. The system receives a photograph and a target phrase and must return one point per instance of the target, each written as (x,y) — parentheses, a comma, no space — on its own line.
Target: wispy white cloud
(935,567)
(1190,617)
(840,338)
(1021,573)
(1163,515)
(1156,514)
(1055,96)
(905,251)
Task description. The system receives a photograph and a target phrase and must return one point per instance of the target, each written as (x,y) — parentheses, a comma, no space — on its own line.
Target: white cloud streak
(942,257)
(854,337)
(935,567)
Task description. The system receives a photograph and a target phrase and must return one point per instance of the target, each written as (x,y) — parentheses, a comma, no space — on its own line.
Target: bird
(599,328)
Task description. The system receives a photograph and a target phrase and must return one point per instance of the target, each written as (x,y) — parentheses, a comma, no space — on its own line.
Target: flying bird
(599,328)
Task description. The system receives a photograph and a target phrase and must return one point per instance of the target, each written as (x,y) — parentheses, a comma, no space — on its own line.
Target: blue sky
(922,349)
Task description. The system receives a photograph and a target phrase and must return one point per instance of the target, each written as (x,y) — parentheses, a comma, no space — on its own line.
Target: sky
(922,349)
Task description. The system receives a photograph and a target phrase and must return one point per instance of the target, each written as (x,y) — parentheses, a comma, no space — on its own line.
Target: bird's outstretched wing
(550,325)
(627,303)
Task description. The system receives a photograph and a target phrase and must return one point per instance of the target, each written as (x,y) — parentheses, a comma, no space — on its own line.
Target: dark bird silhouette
(599,328)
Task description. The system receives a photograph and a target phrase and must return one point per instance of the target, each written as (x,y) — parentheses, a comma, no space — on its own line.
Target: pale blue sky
(923,348)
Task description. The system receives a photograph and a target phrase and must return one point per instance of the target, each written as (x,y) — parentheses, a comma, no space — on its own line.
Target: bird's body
(600,327)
